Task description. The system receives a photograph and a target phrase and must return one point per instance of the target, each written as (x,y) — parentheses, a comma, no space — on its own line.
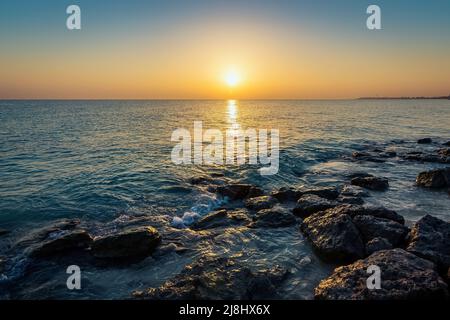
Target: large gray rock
(215,278)
(134,242)
(439,178)
(311,203)
(275,217)
(371,183)
(430,239)
(334,236)
(262,202)
(222,218)
(372,227)
(403,276)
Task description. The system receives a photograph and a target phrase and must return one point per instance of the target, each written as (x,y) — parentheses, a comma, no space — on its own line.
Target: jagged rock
(430,239)
(262,202)
(403,276)
(214,278)
(334,236)
(371,183)
(424,141)
(134,242)
(329,193)
(311,203)
(222,218)
(377,244)
(287,194)
(61,242)
(273,218)
(372,227)
(239,191)
(439,178)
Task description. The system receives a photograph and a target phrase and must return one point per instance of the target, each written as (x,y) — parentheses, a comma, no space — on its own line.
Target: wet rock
(330,193)
(445,152)
(403,276)
(4,232)
(424,141)
(287,194)
(334,236)
(377,244)
(262,202)
(216,278)
(365,156)
(134,242)
(372,227)
(239,191)
(222,218)
(439,178)
(430,239)
(61,242)
(350,200)
(349,190)
(446,143)
(371,183)
(311,203)
(202,180)
(379,212)
(424,157)
(273,218)
(2,264)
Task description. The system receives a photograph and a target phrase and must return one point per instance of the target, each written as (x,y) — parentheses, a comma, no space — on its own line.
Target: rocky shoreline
(342,230)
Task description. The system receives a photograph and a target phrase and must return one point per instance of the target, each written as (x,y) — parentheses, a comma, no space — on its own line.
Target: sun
(232,78)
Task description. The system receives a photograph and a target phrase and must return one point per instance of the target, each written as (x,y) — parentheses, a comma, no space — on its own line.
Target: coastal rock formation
(334,236)
(135,242)
(372,227)
(366,156)
(403,276)
(275,217)
(349,190)
(371,183)
(287,194)
(377,244)
(222,218)
(239,191)
(430,239)
(439,178)
(329,193)
(262,202)
(311,203)
(216,278)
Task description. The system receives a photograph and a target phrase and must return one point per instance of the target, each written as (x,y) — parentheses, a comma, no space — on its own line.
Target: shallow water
(109,161)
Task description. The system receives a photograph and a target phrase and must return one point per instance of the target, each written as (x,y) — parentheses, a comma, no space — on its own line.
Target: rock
(430,239)
(216,278)
(334,236)
(379,212)
(239,191)
(445,152)
(424,141)
(222,218)
(4,232)
(329,193)
(273,218)
(371,183)
(258,203)
(61,242)
(377,244)
(372,227)
(439,178)
(403,276)
(311,203)
(446,143)
(287,194)
(365,156)
(353,191)
(134,242)
(2,264)
(350,200)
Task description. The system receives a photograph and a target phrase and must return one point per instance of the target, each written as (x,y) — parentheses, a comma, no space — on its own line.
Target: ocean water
(108,162)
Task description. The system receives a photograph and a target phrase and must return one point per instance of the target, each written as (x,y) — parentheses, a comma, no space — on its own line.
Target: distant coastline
(405,98)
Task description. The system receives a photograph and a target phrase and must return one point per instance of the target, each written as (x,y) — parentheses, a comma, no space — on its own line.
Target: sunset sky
(222,49)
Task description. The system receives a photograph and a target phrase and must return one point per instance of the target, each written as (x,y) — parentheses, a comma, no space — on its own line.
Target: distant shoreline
(405,98)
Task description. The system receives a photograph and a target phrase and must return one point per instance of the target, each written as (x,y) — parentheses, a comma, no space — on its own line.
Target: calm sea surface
(106,160)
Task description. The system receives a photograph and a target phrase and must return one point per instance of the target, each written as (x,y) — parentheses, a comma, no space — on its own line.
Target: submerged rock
(239,191)
(287,194)
(365,156)
(372,227)
(430,239)
(424,141)
(371,183)
(273,218)
(403,276)
(311,203)
(439,178)
(222,218)
(134,242)
(216,278)
(334,236)
(262,202)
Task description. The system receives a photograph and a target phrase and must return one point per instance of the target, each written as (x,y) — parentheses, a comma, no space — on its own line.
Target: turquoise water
(106,160)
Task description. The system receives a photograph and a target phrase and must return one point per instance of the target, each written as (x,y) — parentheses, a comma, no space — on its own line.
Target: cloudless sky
(184,49)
